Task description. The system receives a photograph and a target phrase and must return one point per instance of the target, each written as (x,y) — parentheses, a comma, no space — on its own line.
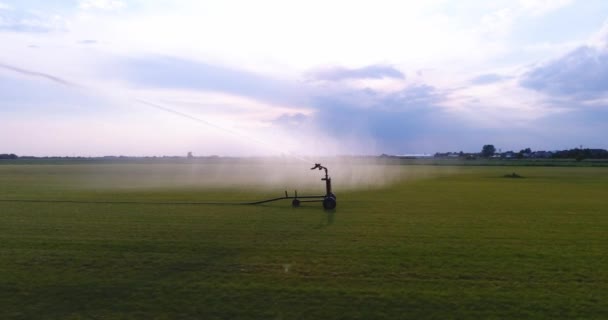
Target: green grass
(447,243)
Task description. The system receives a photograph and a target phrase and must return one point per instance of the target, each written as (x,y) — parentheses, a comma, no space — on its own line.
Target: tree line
(7,156)
(489,151)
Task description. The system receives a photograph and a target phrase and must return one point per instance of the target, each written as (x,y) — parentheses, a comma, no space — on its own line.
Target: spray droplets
(233,132)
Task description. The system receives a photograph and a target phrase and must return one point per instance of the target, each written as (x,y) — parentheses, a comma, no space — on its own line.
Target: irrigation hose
(191,203)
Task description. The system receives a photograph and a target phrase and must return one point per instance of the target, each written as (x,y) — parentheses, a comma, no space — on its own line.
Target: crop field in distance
(405,242)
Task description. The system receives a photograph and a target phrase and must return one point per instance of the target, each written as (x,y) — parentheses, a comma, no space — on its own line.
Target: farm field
(405,242)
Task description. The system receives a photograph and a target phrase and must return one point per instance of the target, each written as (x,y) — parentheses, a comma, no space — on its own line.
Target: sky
(270,77)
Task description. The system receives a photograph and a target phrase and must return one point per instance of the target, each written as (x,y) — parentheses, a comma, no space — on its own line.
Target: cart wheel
(295,203)
(329,203)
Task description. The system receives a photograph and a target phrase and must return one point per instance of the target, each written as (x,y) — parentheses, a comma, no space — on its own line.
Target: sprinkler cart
(328,199)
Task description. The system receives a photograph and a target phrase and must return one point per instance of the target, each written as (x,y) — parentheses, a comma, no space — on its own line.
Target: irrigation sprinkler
(328,199)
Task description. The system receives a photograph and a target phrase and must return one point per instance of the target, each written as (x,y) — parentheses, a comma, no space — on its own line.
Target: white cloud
(541,7)
(4,6)
(286,40)
(279,37)
(600,38)
(33,22)
(498,23)
(501,104)
(102,4)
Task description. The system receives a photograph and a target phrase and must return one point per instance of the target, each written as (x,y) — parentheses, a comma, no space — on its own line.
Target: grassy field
(431,243)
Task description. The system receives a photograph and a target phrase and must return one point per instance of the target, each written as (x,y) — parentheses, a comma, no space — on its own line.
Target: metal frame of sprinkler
(328,199)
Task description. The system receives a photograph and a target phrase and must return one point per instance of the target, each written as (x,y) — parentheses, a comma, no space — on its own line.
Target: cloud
(339,117)
(176,73)
(360,99)
(87,42)
(503,21)
(489,78)
(368,121)
(388,119)
(582,73)
(411,119)
(4,6)
(368,72)
(498,23)
(540,7)
(21,21)
(290,120)
(102,4)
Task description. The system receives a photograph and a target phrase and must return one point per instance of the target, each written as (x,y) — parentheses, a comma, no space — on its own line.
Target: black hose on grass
(128,202)
(242,203)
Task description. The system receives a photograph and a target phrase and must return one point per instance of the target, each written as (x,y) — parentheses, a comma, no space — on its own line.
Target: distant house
(542,154)
(509,155)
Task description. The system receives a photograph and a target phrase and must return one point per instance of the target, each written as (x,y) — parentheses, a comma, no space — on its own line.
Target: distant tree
(11,156)
(488,150)
(581,154)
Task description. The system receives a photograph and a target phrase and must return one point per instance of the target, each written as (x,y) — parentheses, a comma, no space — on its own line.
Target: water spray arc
(232,132)
(328,199)
(97,90)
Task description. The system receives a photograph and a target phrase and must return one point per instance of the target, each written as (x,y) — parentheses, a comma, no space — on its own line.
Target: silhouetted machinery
(328,199)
